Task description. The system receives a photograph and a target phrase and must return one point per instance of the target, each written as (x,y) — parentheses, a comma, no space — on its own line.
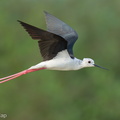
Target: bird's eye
(89,61)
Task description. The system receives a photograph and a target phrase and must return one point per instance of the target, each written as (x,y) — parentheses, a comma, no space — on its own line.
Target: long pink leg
(5,79)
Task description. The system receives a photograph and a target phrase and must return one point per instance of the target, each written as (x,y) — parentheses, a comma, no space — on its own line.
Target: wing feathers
(59,37)
(50,44)
(36,33)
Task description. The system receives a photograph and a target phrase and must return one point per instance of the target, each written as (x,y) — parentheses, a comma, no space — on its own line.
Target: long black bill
(100,67)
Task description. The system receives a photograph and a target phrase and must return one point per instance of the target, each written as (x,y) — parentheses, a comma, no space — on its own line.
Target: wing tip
(19,21)
(22,23)
(46,13)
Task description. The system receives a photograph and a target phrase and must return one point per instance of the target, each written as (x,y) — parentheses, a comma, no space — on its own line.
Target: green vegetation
(87,94)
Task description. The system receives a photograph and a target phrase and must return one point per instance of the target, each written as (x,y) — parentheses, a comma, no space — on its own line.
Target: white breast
(63,62)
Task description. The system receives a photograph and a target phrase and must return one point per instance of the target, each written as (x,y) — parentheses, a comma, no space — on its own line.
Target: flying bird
(56,48)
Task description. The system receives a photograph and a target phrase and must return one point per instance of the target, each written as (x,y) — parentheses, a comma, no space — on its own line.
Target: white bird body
(61,62)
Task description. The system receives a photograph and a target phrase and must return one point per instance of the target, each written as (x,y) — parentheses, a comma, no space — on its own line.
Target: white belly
(61,62)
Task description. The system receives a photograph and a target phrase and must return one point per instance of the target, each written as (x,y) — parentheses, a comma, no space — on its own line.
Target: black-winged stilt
(55,46)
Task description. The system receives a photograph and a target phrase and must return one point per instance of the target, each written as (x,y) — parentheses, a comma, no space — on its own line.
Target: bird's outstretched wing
(49,43)
(58,27)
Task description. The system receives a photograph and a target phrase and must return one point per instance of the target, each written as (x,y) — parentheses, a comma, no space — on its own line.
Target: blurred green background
(87,94)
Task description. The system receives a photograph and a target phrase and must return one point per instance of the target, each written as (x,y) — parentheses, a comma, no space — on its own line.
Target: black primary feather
(50,44)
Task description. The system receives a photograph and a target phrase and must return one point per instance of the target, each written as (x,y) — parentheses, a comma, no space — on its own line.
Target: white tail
(5,79)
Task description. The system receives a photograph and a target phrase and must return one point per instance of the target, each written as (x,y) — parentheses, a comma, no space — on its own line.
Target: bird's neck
(78,64)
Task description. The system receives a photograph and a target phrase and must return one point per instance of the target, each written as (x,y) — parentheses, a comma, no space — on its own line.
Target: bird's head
(88,62)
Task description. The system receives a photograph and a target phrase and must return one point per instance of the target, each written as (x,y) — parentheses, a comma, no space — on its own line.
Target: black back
(58,37)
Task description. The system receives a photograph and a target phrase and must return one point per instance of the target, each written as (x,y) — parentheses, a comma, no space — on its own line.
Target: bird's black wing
(60,28)
(49,43)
